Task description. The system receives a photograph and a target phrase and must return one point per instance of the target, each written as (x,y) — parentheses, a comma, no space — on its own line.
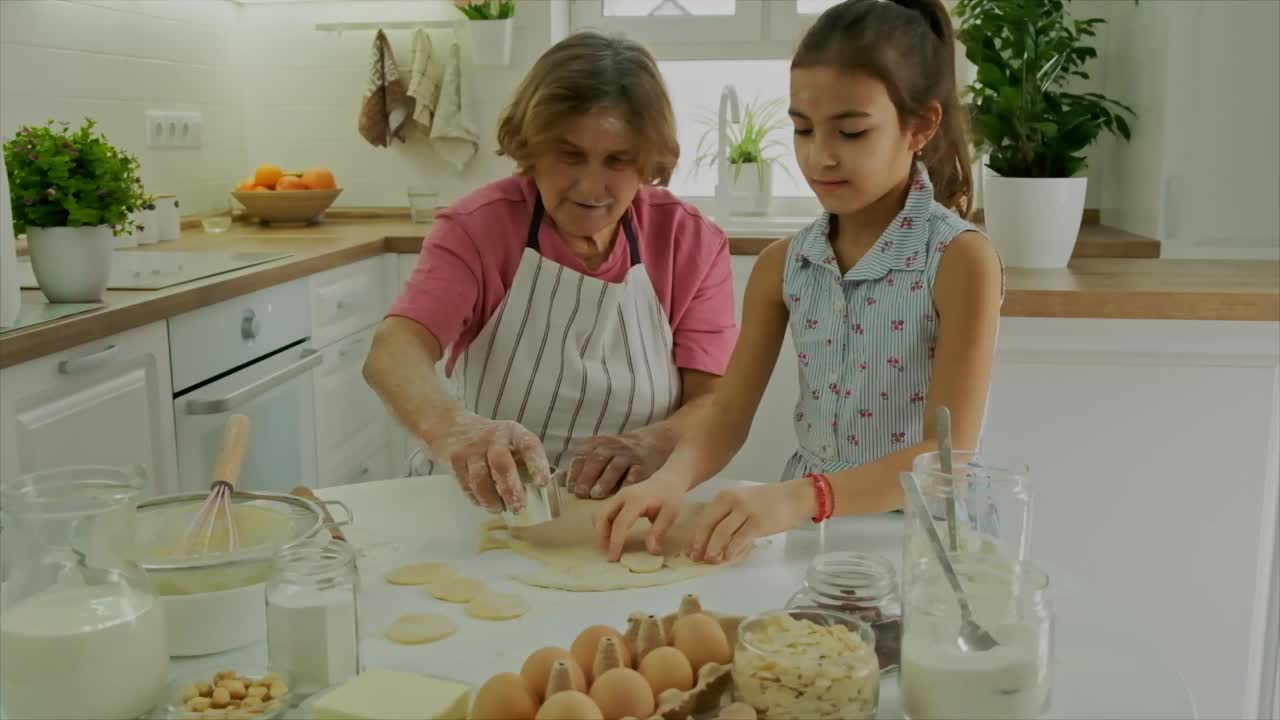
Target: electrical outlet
(174,129)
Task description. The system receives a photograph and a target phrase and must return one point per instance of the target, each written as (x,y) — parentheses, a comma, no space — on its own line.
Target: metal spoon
(944,460)
(972,637)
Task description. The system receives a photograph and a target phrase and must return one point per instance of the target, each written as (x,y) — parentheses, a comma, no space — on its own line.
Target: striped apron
(569,356)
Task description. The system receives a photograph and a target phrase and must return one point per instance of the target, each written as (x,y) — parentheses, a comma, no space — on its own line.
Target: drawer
(346,299)
(346,407)
(357,468)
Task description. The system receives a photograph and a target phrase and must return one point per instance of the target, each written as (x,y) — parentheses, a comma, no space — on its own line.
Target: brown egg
(588,642)
(737,711)
(623,692)
(569,705)
(537,669)
(507,696)
(666,668)
(701,639)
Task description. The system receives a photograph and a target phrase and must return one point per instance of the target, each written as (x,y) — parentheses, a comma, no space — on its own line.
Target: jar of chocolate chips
(860,584)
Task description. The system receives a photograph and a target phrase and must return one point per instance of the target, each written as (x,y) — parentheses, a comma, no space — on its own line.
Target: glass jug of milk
(82,631)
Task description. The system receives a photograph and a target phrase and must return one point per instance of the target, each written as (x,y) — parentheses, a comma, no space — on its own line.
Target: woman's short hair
(584,72)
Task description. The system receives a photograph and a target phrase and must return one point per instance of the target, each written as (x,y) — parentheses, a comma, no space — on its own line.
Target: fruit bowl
(286,206)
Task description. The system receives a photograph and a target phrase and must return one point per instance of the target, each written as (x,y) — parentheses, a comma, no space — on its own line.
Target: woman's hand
(483,454)
(603,464)
(657,499)
(737,517)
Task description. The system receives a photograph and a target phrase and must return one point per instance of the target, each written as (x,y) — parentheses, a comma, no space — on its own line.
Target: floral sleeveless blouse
(865,340)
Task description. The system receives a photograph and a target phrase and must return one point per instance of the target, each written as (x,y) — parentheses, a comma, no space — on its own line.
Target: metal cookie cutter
(542,504)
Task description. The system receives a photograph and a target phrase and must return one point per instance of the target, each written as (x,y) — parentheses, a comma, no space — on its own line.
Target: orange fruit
(319,178)
(245,185)
(291,182)
(261,188)
(267,175)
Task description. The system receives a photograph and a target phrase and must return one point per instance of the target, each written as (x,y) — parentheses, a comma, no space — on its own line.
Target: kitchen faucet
(724,185)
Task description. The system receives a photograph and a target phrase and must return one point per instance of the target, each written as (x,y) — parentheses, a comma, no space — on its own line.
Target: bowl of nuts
(242,694)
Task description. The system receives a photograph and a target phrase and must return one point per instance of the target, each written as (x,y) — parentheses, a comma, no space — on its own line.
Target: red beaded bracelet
(826,497)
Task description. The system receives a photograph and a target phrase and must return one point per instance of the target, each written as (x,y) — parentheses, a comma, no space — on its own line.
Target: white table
(1102,666)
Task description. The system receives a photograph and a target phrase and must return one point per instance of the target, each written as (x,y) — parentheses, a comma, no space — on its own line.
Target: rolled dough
(457,589)
(571,560)
(420,628)
(642,562)
(497,606)
(420,573)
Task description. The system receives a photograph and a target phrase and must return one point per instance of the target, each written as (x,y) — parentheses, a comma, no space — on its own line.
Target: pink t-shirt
(469,260)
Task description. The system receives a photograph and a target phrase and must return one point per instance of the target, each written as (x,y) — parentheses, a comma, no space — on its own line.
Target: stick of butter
(393,695)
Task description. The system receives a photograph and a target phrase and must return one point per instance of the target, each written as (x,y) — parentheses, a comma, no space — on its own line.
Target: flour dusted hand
(603,464)
(484,455)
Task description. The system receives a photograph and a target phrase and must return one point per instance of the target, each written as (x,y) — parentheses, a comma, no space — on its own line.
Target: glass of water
(219,218)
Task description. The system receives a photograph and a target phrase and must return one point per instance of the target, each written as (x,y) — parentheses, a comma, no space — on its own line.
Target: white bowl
(205,623)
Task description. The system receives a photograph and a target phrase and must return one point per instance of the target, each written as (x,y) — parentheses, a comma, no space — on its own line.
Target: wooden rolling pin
(305,493)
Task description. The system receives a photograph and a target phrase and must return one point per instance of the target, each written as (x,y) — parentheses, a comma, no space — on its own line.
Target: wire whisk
(217,509)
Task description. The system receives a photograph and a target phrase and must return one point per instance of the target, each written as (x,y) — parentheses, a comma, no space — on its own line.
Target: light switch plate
(174,129)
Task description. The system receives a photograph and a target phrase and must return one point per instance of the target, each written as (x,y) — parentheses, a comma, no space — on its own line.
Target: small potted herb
(492,22)
(71,191)
(753,150)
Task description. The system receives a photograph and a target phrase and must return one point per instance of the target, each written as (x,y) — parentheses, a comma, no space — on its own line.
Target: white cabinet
(346,299)
(107,402)
(351,422)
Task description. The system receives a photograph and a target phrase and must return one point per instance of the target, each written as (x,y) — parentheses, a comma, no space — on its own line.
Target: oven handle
(310,359)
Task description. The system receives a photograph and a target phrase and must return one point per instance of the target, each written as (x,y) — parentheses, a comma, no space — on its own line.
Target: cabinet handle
(310,359)
(360,476)
(88,362)
(350,348)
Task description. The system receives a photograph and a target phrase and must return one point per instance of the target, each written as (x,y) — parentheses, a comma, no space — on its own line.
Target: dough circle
(419,628)
(497,606)
(642,561)
(457,589)
(420,573)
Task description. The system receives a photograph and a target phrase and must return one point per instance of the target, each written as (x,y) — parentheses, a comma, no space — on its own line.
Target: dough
(497,606)
(420,628)
(457,589)
(642,561)
(567,548)
(420,573)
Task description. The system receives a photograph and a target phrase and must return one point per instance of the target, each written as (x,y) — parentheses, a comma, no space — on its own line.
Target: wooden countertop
(1090,288)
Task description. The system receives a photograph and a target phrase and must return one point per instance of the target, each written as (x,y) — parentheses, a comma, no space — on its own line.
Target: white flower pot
(71,264)
(1033,222)
(491,41)
(752,192)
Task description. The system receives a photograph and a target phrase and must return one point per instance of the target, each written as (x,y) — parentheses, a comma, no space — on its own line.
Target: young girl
(892,298)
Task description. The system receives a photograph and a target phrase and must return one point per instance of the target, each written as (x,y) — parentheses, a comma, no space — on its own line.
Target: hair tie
(926,11)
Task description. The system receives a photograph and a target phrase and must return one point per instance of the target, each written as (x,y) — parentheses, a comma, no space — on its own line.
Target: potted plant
(70,191)
(1031,126)
(491,29)
(751,153)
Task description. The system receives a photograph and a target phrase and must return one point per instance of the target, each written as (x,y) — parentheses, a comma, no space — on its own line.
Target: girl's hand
(738,516)
(657,499)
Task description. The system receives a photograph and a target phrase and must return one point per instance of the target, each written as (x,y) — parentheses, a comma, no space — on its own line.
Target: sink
(153,270)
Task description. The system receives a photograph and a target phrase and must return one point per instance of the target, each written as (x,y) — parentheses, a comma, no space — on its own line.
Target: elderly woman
(584,313)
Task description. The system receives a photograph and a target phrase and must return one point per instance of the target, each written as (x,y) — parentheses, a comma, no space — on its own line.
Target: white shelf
(341,27)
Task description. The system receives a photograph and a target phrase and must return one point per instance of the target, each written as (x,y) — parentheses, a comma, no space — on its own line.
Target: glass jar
(807,663)
(860,584)
(313,628)
(82,631)
(1011,680)
(992,509)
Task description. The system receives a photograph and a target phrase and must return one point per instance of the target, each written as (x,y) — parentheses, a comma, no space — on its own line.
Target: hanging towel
(425,78)
(387,107)
(453,134)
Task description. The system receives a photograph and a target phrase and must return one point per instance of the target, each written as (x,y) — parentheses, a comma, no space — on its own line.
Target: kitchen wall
(115,59)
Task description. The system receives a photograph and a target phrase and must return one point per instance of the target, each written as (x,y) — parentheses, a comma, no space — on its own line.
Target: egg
(587,643)
(537,670)
(622,692)
(701,639)
(569,705)
(738,711)
(666,668)
(505,695)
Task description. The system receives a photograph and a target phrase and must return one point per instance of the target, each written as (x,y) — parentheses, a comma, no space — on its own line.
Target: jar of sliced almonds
(807,663)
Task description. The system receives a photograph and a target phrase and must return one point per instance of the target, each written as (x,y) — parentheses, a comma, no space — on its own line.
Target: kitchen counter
(1117,288)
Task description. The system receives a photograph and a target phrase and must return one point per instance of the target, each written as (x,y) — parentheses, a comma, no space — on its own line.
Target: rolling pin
(305,493)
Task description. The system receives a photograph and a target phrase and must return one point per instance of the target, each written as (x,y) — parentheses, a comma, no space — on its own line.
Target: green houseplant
(753,151)
(492,23)
(1031,124)
(71,190)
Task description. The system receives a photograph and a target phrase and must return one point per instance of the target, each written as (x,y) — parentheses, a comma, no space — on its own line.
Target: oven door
(277,395)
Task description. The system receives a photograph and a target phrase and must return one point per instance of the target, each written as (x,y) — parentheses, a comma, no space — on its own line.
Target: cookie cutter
(542,504)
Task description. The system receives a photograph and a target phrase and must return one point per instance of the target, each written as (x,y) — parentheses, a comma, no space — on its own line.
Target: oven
(250,355)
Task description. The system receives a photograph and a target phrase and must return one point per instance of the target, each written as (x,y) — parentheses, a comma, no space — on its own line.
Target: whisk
(218,506)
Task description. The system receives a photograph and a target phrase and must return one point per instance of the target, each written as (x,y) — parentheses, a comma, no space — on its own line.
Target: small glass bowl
(792,663)
(173,707)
